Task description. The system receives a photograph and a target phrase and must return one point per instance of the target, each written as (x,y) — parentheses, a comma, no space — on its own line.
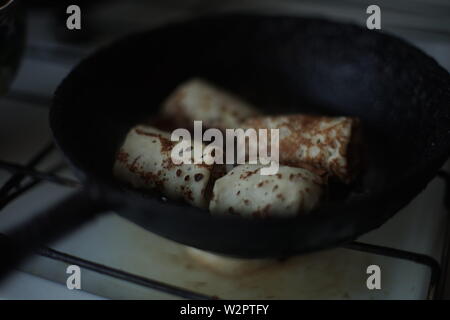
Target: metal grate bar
(27,186)
(15,168)
(405,255)
(122,275)
(17,178)
(35,100)
(56,53)
(166,288)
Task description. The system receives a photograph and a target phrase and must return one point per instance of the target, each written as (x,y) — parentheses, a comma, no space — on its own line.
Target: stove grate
(14,187)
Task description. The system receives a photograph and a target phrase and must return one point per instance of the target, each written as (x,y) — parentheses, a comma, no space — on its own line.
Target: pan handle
(45,227)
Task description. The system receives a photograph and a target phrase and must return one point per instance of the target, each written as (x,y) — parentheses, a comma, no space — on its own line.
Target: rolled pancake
(244,191)
(144,161)
(330,144)
(198,100)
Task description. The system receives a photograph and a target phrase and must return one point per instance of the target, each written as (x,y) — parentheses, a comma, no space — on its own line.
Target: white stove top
(115,242)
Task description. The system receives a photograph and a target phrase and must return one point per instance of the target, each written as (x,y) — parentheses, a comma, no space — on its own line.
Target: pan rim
(421,177)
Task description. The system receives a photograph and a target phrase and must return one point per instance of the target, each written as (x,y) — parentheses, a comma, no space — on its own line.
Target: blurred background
(107,19)
(426,23)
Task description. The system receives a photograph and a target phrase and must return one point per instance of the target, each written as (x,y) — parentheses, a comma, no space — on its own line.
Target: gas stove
(120,260)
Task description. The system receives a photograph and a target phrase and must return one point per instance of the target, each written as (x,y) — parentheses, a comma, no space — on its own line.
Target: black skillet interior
(282,65)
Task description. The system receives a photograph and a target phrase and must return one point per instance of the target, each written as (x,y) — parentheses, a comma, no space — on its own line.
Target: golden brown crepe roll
(331,144)
(199,100)
(144,161)
(245,192)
